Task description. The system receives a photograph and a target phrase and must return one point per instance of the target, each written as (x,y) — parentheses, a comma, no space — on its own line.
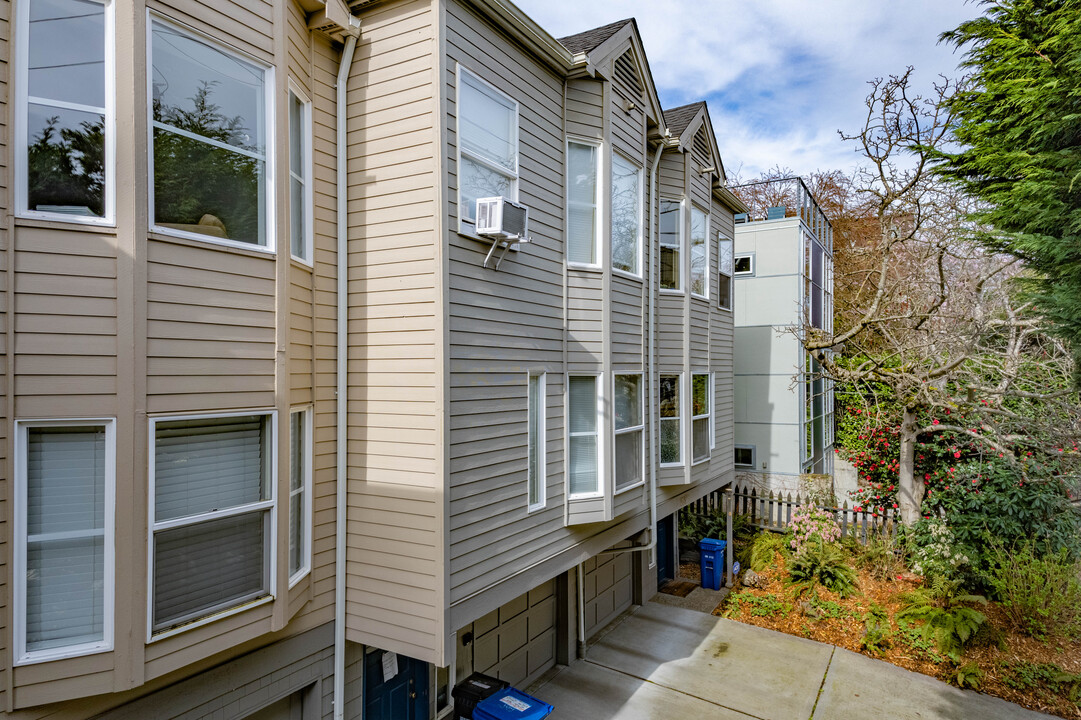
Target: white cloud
(781,76)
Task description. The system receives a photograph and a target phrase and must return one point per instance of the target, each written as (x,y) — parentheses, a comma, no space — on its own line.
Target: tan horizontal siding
(245,24)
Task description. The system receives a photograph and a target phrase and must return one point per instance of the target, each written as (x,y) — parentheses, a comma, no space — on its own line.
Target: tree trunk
(909,487)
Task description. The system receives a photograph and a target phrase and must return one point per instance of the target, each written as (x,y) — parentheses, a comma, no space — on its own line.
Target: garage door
(517,642)
(609,589)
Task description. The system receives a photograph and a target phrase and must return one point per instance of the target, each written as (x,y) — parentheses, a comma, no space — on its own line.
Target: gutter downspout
(341,373)
(651,547)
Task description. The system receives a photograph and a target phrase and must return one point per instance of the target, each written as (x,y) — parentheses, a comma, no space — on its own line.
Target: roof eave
(531,35)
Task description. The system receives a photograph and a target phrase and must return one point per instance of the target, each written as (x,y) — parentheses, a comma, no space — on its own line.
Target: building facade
(784,288)
(283,435)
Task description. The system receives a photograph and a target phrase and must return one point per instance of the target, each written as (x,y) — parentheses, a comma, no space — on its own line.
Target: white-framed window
(300,494)
(626,216)
(745,456)
(65,485)
(583,399)
(701,423)
(671,419)
(699,242)
(744,264)
(583,202)
(211,512)
(210,122)
(487,144)
(64,129)
(724,272)
(671,241)
(629,429)
(300,175)
(536,471)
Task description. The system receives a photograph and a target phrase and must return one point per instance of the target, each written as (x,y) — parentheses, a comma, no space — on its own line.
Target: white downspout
(341,388)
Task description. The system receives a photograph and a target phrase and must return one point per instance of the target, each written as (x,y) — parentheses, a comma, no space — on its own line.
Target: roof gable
(686,122)
(590,40)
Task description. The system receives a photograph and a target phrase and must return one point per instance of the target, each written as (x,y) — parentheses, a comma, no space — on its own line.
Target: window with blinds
(583,225)
(64,540)
(212,499)
(629,429)
(584,471)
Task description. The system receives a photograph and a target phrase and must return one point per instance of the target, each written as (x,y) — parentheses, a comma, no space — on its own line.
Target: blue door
(666,555)
(404,696)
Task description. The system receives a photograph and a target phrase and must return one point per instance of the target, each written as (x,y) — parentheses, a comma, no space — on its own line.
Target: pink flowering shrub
(812,524)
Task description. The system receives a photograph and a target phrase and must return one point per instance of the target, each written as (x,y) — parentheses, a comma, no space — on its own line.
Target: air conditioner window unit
(502,218)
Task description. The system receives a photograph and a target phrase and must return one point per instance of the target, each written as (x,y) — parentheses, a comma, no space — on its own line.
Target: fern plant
(945,615)
(821,564)
(764,549)
(876,630)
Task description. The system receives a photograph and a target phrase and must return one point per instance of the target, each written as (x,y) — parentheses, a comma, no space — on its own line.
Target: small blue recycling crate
(712,561)
(511,704)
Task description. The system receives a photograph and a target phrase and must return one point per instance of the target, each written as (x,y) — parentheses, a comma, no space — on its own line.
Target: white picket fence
(773,511)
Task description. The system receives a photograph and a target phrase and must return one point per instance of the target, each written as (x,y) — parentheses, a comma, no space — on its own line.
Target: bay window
(211,516)
(64,120)
(671,420)
(536,462)
(701,424)
(209,163)
(583,227)
(584,466)
(626,216)
(300,186)
(629,428)
(63,539)
(487,144)
(725,271)
(699,253)
(671,241)
(300,482)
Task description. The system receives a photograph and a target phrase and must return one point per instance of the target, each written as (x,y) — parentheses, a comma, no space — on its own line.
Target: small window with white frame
(583,426)
(700,417)
(536,471)
(744,264)
(300,494)
(64,121)
(583,202)
(487,145)
(745,456)
(211,517)
(210,163)
(671,242)
(671,420)
(626,216)
(300,171)
(64,554)
(724,271)
(699,244)
(629,428)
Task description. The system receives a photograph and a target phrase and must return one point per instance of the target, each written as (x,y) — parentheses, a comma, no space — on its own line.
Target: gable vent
(701,146)
(627,74)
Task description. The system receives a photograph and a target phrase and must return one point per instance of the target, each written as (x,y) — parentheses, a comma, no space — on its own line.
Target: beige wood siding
(395,508)
(245,24)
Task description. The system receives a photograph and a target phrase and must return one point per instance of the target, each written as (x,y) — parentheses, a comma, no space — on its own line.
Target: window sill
(306,264)
(194,240)
(666,291)
(64,653)
(530,509)
(726,309)
(300,575)
(628,275)
(584,267)
(54,223)
(585,496)
(669,466)
(465,229)
(221,615)
(700,298)
(695,463)
(639,484)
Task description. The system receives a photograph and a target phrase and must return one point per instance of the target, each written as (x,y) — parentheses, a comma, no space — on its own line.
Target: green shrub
(1041,595)
(877,635)
(821,563)
(882,557)
(764,549)
(760,605)
(810,524)
(1046,677)
(943,616)
(968,675)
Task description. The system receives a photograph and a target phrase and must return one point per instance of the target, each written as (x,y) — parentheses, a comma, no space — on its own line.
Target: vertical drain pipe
(342,262)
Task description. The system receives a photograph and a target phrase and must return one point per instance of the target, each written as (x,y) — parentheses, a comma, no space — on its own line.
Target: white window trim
(637,274)
(712,414)
(306,490)
(309,171)
(690,260)
(708,416)
(748,273)
(682,249)
(598,433)
(599,187)
(661,419)
(20,143)
(754,455)
(270,505)
(466,226)
(22,657)
(635,428)
(542,455)
(270,182)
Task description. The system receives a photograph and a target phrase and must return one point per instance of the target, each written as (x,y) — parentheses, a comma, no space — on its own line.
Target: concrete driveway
(672,663)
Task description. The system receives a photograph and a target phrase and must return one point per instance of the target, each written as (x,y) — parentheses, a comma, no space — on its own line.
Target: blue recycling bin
(711,554)
(511,704)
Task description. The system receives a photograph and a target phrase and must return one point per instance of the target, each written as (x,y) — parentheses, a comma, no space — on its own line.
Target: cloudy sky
(781,76)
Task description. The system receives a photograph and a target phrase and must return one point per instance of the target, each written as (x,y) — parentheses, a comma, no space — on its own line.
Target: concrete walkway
(673,663)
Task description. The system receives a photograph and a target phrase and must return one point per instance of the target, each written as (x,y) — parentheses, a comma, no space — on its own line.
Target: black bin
(471,691)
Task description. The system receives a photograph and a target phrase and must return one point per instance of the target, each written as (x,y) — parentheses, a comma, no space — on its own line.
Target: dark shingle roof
(590,40)
(677,119)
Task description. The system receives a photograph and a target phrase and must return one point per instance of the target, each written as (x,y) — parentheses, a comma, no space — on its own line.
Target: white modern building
(783,276)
